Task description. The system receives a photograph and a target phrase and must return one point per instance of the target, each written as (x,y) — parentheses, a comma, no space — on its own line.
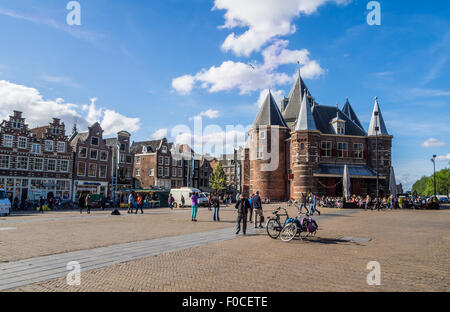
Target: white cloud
(210,113)
(183,84)
(278,95)
(429,92)
(63,80)
(237,75)
(432,142)
(160,134)
(443,158)
(39,111)
(264,20)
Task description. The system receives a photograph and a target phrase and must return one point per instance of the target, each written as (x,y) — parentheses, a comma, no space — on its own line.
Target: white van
(187,193)
(5,204)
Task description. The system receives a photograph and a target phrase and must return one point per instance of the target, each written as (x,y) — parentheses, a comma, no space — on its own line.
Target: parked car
(444,200)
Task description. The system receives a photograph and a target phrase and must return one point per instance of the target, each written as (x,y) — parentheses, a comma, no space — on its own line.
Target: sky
(161,68)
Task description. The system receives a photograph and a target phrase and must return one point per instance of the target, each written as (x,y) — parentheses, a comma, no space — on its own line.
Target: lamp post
(434,175)
(377,128)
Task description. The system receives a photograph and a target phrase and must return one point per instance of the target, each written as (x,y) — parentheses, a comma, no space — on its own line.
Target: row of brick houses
(46,162)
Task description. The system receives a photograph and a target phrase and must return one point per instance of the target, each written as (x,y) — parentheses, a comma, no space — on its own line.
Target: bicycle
(303,228)
(274,226)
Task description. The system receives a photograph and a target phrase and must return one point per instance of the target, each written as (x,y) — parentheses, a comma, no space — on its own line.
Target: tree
(420,186)
(442,183)
(218,179)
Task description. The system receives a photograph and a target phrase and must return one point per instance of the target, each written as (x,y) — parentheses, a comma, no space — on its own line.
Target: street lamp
(434,175)
(377,128)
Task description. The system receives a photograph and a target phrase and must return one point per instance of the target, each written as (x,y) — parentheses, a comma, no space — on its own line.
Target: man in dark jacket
(257,207)
(243,205)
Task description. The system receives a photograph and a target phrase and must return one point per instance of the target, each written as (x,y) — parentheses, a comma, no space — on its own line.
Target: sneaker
(318,212)
(261,227)
(237,232)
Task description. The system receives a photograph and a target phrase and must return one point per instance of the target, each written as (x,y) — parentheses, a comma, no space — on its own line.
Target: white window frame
(78,168)
(107,155)
(18,162)
(166,172)
(138,172)
(46,147)
(174,172)
(164,149)
(61,167)
(59,144)
(8,138)
(174,162)
(98,140)
(138,160)
(39,148)
(356,151)
(160,171)
(42,164)
(26,142)
(100,171)
(88,170)
(87,152)
(151,172)
(180,172)
(328,152)
(90,153)
(161,160)
(167,161)
(342,150)
(48,164)
(9,162)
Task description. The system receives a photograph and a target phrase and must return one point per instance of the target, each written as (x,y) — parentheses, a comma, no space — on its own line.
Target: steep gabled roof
(305,120)
(296,96)
(78,137)
(137,147)
(269,114)
(377,121)
(348,110)
(323,115)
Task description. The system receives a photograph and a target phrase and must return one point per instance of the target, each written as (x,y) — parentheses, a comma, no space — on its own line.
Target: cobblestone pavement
(412,247)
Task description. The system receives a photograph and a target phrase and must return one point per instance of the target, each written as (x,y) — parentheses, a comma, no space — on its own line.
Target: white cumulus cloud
(160,134)
(443,158)
(210,113)
(432,142)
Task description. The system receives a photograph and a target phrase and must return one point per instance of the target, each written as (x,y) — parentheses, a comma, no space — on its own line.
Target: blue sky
(123,65)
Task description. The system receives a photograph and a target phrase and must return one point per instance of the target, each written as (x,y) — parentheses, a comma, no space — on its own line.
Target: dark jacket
(243,205)
(215,202)
(256,202)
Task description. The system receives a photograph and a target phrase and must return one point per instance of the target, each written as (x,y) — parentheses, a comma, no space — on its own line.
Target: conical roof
(377,121)
(296,96)
(269,114)
(348,110)
(305,120)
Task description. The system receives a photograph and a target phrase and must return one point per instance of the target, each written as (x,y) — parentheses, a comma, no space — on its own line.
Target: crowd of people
(138,201)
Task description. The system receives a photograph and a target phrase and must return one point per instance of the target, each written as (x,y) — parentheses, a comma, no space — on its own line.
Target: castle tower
(268,152)
(304,143)
(378,133)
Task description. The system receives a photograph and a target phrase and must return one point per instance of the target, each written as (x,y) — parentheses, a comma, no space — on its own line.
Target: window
(342,150)
(8,140)
(83,152)
(49,146)
(16,125)
(64,167)
(326,149)
(22,142)
(167,172)
(94,141)
(123,147)
(122,158)
(129,159)
(51,165)
(103,170)
(138,160)
(160,171)
(180,172)
(174,162)
(151,172)
(38,164)
(262,135)
(259,153)
(4,162)
(92,172)
(138,172)
(55,130)
(61,147)
(81,170)
(340,128)
(164,149)
(180,163)
(103,155)
(167,161)
(94,154)
(36,149)
(174,172)
(22,163)
(358,150)
(160,160)
(196,164)
(302,146)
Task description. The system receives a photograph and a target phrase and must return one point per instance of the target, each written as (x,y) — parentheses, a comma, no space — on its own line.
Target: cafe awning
(337,171)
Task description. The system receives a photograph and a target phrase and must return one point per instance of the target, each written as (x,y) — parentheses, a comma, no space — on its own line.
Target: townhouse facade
(34,162)
(122,161)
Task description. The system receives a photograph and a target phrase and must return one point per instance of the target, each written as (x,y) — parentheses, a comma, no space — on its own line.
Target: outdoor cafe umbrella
(346,183)
(393,184)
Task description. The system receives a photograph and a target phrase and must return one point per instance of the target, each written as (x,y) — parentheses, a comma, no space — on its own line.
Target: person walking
(139,204)
(194,200)
(88,203)
(366,206)
(130,203)
(302,202)
(313,204)
(103,203)
(216,203)
(242,206)
(41,205)
(251,208)
(183,201)
(171,200)
(257,207)
(81,203)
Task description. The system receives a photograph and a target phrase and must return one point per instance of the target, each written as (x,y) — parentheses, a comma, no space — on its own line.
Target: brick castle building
(304,147)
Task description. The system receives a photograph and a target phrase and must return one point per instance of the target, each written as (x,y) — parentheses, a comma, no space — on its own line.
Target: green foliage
(218,179)
(425,186)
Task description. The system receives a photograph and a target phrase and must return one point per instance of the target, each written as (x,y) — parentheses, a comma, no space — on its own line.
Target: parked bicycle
(301,227)
(274,226)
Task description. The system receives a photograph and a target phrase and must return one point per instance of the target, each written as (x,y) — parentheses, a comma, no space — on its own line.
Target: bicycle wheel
(289,232)
(273,228)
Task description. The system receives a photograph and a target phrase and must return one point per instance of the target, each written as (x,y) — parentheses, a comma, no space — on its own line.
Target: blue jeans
(216,214)
(194,212)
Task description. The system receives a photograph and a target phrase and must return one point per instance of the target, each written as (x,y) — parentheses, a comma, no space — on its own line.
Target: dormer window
(164,149)
(340,128)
